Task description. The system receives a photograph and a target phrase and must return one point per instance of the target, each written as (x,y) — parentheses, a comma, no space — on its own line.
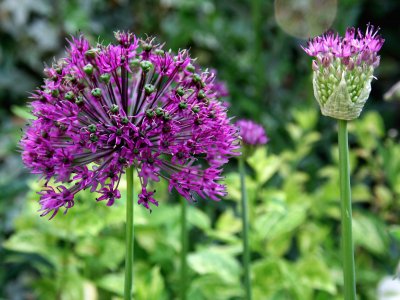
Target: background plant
(292,182)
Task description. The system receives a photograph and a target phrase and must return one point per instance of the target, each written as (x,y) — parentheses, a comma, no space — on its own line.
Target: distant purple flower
(104,108)
(343,70)
(251,133)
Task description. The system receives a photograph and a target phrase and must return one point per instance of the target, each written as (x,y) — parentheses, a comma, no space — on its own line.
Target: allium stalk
(252,135)
(342,75)
(105,108)
(349,272)
(184,250)
(129,238)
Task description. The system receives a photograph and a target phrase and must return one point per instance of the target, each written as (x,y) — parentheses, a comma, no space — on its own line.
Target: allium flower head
(343,70)
(106,107)
(252,133)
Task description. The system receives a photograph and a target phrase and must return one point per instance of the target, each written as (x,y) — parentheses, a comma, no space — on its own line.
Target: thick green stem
(129,235)
(245,237)
(345,194)
(184,249)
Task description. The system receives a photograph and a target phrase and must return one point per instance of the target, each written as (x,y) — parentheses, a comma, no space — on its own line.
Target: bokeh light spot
(305,18)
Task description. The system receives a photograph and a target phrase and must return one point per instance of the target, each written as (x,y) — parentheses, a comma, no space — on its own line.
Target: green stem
(245,222)
(257,46)
(345,194)
(184,249)
(129,235)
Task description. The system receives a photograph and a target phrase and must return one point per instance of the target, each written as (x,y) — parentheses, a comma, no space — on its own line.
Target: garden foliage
(292,182)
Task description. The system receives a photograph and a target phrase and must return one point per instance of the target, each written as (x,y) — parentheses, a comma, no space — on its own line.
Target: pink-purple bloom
(353,49)
(252,133)
(343,70)
(104,108)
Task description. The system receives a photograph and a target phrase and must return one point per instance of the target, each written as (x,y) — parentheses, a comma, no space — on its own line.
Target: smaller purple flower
(252,133)
(146,197)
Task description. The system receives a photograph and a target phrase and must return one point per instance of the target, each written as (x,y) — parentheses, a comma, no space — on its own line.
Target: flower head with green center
(343,70)
(102,109)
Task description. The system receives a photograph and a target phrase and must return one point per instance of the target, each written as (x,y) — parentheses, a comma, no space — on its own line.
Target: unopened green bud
(94,138)
(91,53)
(146,66)
(180,91)
(114,108)
(342,99)
(88,69)
(105,78)
(201,94)
(55,93)
(197,79)
(195,109)
(150,113)
(167,117)
(182,105)
(159,52)
(134,63)
(92,128)
(125,120)
(79,101)
(147,47)
(149,89)
(190,68)
(69,95)
(96,92)
(159,112)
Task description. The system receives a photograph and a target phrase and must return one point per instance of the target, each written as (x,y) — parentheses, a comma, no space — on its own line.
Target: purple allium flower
(104,108)
(252,133)
(343,70)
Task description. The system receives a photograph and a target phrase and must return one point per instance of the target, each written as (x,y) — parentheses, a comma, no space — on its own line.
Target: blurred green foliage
(294,225)
(293,182)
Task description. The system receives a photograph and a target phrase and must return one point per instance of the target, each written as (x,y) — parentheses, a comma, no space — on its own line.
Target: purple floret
(353,49)
(251,133)
(104,108)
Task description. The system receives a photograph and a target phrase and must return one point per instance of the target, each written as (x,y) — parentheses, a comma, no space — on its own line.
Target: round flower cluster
(343,70)
(107,107)
(252,133)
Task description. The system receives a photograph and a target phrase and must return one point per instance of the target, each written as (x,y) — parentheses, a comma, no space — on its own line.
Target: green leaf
(215,262)
(275,223)
(27,241)
(228,222)
(198,218)
(370,233)
(22,112)
(315,274)
(113,283)
(150,285)
(264,166)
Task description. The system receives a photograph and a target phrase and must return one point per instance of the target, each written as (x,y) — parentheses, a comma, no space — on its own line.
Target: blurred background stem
(129,235)
(257,47)
(245,222)
(345,195)
(184,248)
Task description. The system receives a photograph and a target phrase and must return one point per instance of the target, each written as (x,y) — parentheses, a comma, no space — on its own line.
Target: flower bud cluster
(343,70)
